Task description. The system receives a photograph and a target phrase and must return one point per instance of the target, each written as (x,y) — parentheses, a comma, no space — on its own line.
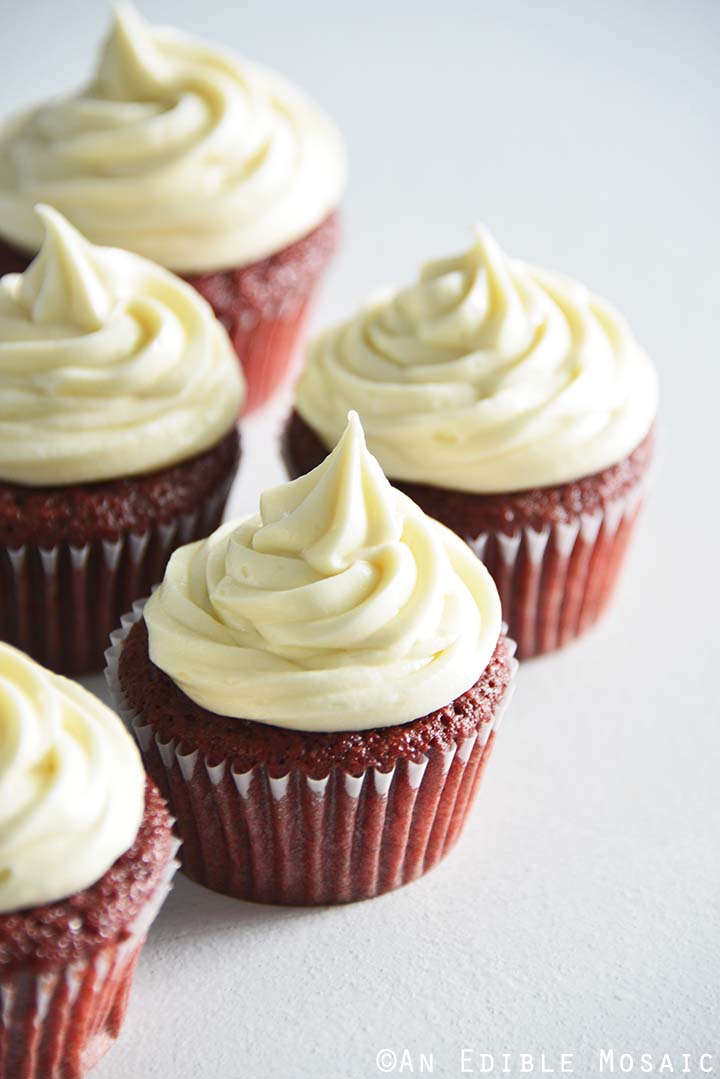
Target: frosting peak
(109,366)
(72,787)
(62,286)
(341,606)
(485,375)
(330,516)
(132,66)
(176,150)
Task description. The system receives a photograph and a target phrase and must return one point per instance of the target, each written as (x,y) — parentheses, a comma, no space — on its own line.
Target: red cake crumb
(152,694)
(82,512)
(471,514)
(275,286)
(69,929)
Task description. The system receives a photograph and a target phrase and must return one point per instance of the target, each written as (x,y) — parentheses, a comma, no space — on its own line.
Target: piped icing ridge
(486,375)
(109,365)
(340,606)
(176,150)
(72,787)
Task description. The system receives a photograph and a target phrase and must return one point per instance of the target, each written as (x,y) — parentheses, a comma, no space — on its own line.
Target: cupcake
(316,689)
(214,168)
(118,396)
(512,405)
(86,859)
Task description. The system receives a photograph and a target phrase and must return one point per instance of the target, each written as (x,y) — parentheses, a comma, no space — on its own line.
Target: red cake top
(152,694)
(472,514)
(81,512)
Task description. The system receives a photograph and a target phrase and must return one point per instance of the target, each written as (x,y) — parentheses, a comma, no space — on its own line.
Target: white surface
(580,910)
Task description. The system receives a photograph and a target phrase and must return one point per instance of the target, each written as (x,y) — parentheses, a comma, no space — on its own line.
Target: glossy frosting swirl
(109,366)
(486,375)
(341,606)
(72,787)
(176,150)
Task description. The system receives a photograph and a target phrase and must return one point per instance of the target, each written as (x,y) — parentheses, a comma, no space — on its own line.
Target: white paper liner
(555,583)
(302,840)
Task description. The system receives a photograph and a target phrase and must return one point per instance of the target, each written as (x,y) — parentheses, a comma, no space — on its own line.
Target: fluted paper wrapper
(58,1023)
(60,604)
(555,583)
(297,840)
(266,346)
(264,307)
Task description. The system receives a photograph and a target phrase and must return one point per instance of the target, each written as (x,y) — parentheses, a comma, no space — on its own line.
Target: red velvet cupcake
(86,859)
(319,712)
(216,169)
(513,406)
(555,553)
(118,397)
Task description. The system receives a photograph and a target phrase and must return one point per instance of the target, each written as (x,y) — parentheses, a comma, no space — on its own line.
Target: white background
(581,908)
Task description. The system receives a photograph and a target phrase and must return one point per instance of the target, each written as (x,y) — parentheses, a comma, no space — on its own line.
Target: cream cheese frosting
(72,786)
(340,606)
(176,150)
(109,365)
(486,375)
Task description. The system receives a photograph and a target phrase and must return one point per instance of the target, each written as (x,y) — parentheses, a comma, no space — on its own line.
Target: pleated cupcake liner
(264,306)
(266,347)
(58,1023)
(294,839)
(555,583)
(59,604)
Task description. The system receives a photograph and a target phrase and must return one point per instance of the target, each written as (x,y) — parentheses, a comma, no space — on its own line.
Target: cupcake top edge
(340,606)
(109,365)
(485,375)
(72,786)
(176,149)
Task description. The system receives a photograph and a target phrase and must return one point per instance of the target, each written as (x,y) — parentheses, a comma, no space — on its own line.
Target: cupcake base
(72,559)
(264,306)
(280,816)
(66,969)
(555,553)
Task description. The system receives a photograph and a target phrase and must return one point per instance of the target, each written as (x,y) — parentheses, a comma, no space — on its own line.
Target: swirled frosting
(72,787)
(486,375)
(341,606)
(176,150)
(109,366)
